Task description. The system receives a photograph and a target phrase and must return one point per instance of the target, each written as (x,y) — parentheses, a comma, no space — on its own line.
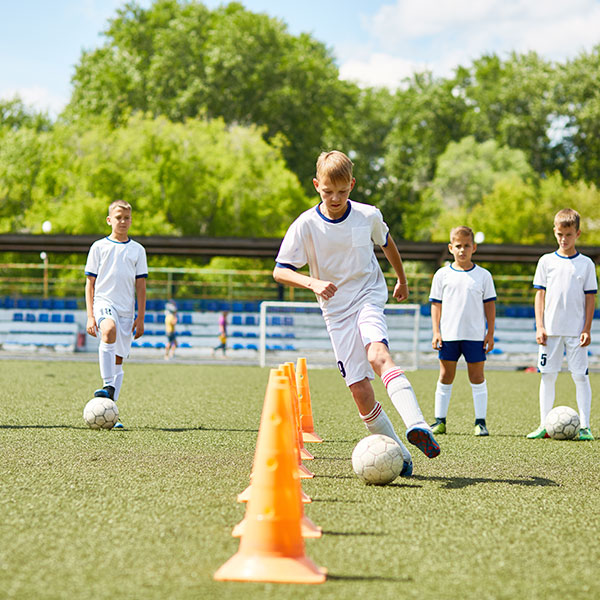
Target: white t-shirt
(566,280)
(340,251)
(116,266)
(462,295)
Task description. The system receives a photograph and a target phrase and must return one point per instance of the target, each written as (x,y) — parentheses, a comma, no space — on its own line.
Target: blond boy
(336,239)
(116,271)
(564,308)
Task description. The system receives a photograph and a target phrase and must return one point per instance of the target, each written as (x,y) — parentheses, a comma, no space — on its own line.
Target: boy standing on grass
(463,301)
(116,272)
(564,308)
(336,239)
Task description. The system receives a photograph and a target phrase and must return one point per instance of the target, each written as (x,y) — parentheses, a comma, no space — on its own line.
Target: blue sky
(375,42)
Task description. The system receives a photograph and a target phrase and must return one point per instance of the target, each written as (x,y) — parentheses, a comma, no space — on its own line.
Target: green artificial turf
(147,512)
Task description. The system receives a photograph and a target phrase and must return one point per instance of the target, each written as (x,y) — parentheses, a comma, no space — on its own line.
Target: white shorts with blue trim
(104,310)
(550,356)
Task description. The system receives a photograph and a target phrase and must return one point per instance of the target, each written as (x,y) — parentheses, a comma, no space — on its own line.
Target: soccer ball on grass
(101,413)
(377,459)
(562,423)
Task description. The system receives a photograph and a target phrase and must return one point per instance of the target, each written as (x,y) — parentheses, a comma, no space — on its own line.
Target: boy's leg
(443,393)
(480,396)
(118,377)
(106,357)
(376,420)
(577,360)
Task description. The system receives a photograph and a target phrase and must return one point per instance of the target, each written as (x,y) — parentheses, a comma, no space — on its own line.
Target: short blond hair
(567,217)
(460,231)
(119,204)
(335,165)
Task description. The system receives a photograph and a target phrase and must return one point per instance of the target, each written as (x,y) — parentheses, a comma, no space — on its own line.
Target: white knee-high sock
(583,393)
(378,422)
(403,397)
(547,392)
(106,356)
(118,381)
(443,392)
(480,399)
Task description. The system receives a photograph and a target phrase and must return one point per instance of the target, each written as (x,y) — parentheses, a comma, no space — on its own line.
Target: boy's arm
(324,289)
(140,292)
(490,316)
(586,335)
(436,316)
(90,285)
(540,331)
(391,253)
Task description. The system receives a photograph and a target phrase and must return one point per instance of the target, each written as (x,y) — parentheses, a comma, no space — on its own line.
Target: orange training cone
(290,371)
(306,418)
(272,547)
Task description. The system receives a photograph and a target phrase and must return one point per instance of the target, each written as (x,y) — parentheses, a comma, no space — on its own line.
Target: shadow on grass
(458,483)
(333,577)
(42,427)
(353,533)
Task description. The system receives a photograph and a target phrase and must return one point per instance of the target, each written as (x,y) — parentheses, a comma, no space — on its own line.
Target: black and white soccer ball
(101,413)
(377,459)
(562,423)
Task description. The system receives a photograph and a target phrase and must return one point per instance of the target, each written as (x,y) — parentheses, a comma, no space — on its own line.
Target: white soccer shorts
(349,337)
(104,310)
(550,356)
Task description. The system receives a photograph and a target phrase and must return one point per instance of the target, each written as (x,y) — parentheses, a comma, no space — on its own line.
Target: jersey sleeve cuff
(590,291)
(489,299)
(435,300)
(90,274)
(539,287)
(286,266)
(141,276)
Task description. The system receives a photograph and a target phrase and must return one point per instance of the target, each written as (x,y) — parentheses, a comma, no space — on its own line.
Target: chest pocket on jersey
(361,236)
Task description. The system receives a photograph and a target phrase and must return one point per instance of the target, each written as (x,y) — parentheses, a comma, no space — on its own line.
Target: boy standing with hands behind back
(336,238)
(116,272)
(564,308)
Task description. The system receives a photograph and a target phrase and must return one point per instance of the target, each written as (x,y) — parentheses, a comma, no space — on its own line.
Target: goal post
(297,328)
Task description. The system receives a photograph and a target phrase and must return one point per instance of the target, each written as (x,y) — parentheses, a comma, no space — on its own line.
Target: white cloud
(38,98)
(382,70)
(441,31)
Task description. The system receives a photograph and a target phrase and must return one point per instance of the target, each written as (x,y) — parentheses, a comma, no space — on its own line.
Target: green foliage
(194,178)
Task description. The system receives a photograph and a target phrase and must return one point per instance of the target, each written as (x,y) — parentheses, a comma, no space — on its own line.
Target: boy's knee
(579,377)
(108,329)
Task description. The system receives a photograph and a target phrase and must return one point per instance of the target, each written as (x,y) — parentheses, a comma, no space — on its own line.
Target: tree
(14,114)
(182,60)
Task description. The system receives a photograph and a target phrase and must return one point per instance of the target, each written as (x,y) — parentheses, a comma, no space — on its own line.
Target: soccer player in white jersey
(336,238)
(116,272)
(463,316)
(564,308)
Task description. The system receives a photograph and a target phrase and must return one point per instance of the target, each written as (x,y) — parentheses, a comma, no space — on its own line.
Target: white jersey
(340,251)
(566,279)
(116,266)
(462,295)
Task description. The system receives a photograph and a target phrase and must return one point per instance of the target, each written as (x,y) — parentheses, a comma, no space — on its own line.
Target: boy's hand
(541,336)
(325,289)
(436,342)
(138,327)
(91,326)
(488,342)
(400,291)
(585,338)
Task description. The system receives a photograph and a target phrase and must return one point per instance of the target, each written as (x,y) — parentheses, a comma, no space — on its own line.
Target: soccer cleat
(481,430)
(585,435)
(108,391)
(538,434)
(423,439)
(438,427)
(118,425)
(407,469)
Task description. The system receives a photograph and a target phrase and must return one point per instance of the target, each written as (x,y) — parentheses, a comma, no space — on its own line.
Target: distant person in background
(116,271)
(463,315)
(222,334)
(170,323)
(564,309)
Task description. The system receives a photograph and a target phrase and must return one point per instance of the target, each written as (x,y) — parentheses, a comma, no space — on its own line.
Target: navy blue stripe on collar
(463,270)
(116,242)
(342,218)
(567,257)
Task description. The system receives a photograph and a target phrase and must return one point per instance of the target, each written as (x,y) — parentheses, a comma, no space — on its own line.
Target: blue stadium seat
(288,321)
(55,318)
(148,318)
(252,347)
(43,317)
(426,310)
(21,303)
(275,320)
(135,344)
(251,334)
(17,316)
(289,347)
(30,317)
(186,305)
(9,302)
(33,303)
(147,345)
(237,307)
(236,320)
(238,346)
(237,334)
(47,304)
(186,333)
(250,320)
(160,318)
(186,319)
(159,345)
(69,318)
(71,304)
(58,304)
(185,345)
(159,305)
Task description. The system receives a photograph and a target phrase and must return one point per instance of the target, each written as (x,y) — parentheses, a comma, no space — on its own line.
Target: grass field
(147,512)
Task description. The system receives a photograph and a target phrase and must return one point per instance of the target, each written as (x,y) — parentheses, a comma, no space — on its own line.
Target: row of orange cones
(274,527)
